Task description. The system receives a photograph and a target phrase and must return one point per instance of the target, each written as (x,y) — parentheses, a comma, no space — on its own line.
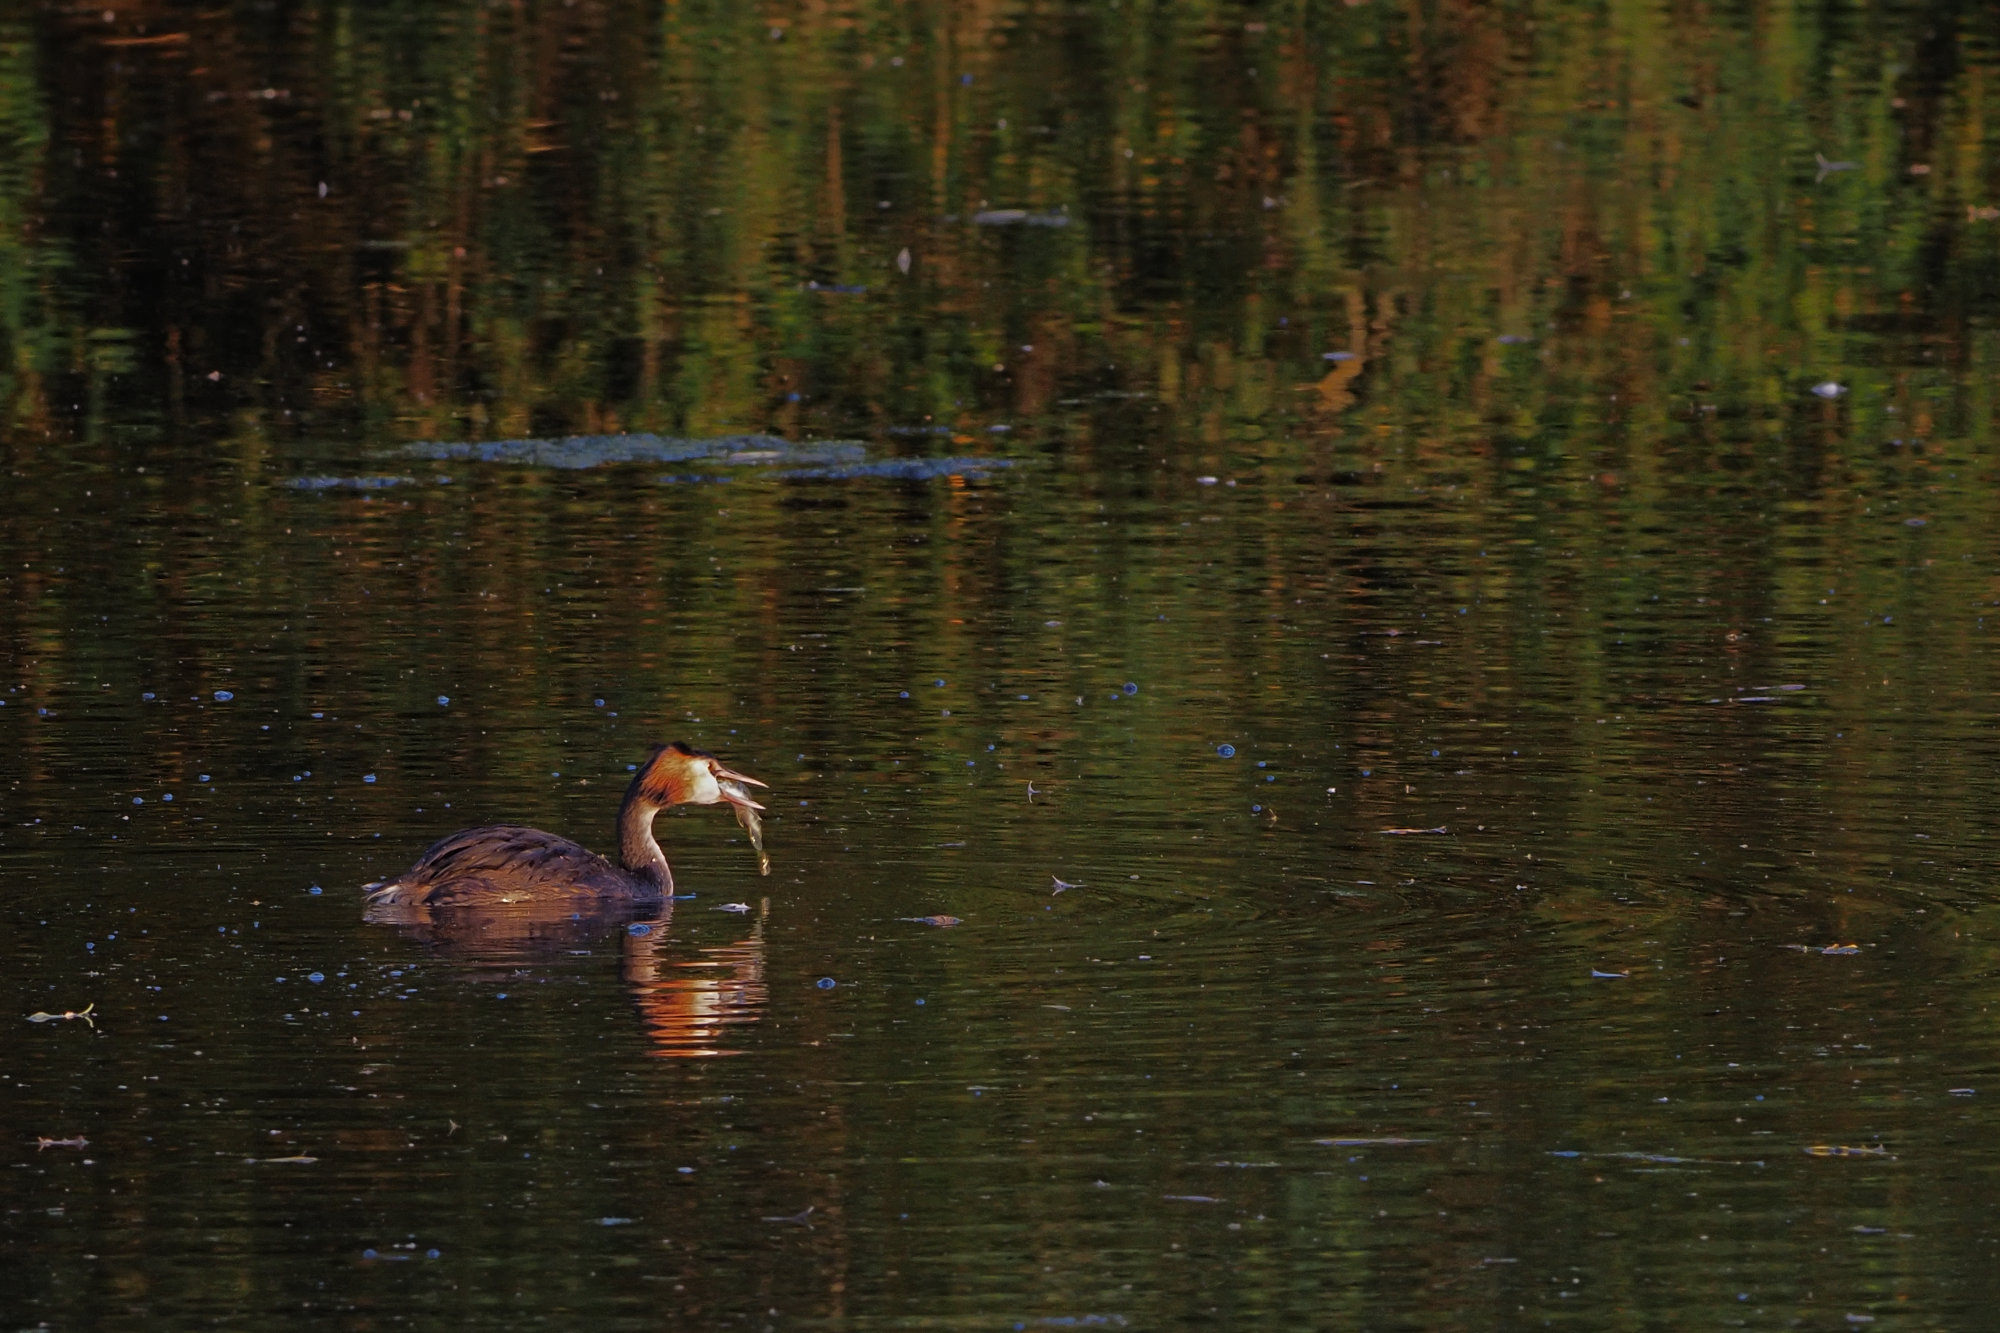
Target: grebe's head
(679,774)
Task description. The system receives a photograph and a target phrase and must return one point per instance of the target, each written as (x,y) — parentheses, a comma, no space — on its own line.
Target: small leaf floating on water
(1846,1150)
(297,1159)
(43,1016)
(42,1142)
(941,921)
(1841,948)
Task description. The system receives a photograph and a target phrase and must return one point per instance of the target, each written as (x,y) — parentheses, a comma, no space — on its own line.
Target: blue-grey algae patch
(354,483)
(589,451)
(708,459)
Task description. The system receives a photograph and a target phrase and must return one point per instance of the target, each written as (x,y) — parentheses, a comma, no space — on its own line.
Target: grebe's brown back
(506,863)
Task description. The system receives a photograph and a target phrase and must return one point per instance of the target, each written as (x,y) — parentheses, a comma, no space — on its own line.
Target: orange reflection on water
(689,1004)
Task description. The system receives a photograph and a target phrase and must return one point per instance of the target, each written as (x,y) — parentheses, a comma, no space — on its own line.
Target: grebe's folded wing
(504,853)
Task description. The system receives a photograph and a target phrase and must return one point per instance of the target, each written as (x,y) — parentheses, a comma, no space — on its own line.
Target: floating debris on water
(43,1016)
(941,921)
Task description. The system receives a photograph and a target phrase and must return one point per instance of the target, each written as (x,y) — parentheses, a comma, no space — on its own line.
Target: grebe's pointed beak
(732,784)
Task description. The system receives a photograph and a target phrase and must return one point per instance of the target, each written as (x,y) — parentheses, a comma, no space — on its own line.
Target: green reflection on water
(1419,403)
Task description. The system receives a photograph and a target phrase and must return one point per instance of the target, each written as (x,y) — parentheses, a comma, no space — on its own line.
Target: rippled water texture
(1368,626)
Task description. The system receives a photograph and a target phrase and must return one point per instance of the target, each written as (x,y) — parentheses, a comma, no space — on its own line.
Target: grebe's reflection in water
(690,999)
(690,1002)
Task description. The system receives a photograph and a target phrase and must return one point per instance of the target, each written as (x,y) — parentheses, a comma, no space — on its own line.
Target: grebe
(505,863)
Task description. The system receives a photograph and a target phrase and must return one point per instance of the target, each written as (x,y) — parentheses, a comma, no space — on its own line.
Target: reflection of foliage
(559,217)
(26,268)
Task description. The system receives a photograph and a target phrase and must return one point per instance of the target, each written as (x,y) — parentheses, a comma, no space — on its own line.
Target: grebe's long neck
(638,851)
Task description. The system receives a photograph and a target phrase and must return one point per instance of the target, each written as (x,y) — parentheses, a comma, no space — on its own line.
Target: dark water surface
(1368,625)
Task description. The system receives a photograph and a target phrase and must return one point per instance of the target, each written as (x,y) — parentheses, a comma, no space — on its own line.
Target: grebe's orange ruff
(505,863)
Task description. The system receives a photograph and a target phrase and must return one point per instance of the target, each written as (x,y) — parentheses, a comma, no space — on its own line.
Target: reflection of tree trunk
(420,346)
(688,1003)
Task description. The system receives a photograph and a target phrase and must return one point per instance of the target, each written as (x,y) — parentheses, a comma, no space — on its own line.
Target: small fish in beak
(735,789)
